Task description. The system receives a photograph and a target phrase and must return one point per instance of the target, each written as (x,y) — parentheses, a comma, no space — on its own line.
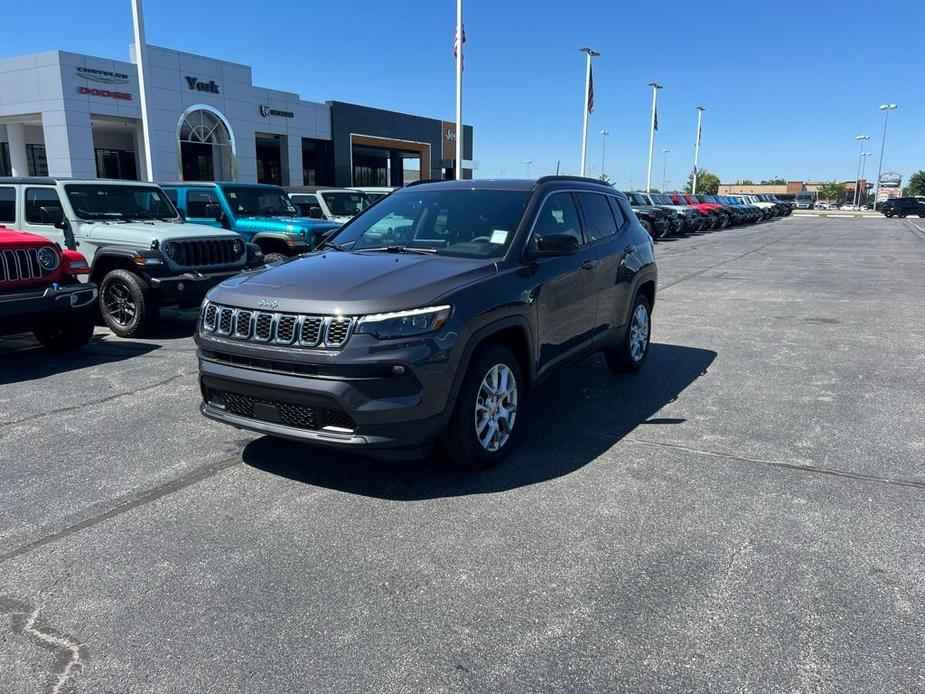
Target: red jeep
(40,292)
(713,211)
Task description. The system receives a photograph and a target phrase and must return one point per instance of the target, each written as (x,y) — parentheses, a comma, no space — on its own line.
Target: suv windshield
(346,204)
(120,202)
(457,223)
(636,199)
(255,202)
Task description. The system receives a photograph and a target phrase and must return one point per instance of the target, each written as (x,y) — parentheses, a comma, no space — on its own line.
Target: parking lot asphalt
(744,514)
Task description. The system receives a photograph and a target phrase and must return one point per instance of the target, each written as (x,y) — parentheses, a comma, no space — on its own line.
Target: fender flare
(289,240)
(479,336)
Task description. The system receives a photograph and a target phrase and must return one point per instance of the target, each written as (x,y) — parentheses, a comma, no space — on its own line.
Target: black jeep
(428,316)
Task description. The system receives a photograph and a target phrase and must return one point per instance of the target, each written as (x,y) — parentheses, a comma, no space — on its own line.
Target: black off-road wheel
(127,304)
(484,422)
(68,333)
(630,354)
(648,227)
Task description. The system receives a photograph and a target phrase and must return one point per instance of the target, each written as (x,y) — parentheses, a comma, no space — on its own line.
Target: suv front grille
(287,413)
(20,265)
(205,252)
(327,332)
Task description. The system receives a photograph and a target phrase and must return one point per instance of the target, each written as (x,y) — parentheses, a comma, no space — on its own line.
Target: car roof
(521,184)
(319,189)
(52,180)
(200,184)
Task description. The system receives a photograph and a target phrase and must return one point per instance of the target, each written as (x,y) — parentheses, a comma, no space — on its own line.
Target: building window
(38,162)
(116,163)
(6,169)
(207,149)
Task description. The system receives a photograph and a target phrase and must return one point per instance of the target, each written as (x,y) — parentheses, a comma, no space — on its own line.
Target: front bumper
(384,403)
(189,288)
(20,310)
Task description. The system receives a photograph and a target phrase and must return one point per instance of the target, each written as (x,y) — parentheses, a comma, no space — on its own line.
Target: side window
(558,216)
(7,204)
(599,222)
(171,195)
(39,202)
(619,214)
(197,202)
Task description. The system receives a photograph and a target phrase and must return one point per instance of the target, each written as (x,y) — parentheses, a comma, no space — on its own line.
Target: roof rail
(583,179)
(424,180)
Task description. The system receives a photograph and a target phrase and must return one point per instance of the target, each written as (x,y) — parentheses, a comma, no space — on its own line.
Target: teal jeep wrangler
(262,214)
(142,254)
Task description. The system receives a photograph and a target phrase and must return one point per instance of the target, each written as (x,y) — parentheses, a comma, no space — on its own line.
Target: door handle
(588,264)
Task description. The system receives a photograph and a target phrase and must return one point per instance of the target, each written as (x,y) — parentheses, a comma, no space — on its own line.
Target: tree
(707,182)
(916,184)
(605,178)
(745,182)
(774,182)
(831,190)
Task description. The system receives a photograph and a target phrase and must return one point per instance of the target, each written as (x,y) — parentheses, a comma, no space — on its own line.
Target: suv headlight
(238,247)
(405,323)
(47,258)
(170,249)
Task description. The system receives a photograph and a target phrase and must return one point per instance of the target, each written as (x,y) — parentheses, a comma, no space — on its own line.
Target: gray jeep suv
(427,317)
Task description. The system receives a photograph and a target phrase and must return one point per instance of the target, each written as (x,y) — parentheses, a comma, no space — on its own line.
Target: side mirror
(214,211)
(315,213)
(51,215)
(549,245)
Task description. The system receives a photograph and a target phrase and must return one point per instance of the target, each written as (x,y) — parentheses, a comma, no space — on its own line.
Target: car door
(564,294)
(197,207)
(41,205)
(605,223)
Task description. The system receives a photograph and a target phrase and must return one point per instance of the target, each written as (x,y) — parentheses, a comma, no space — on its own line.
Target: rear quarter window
(7,204)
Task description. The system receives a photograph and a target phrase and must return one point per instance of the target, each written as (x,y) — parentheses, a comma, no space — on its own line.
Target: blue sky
(787,85)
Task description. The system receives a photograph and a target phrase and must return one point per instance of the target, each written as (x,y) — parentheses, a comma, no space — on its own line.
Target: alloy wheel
(119,304)
(639,333)
(496,407)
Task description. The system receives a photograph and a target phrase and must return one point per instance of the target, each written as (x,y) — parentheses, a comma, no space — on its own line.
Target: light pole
(857,182)
(886,108)
(527,163)
(653,127)
(700,110)
(604,134)
(665,170)
(587,106)
(864,156)
(630,179)
(141,57)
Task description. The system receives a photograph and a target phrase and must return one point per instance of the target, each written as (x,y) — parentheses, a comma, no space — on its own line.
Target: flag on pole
(590,90)
(456,43)
(655,118)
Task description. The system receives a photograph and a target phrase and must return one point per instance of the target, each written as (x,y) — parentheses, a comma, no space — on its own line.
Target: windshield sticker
(498,236)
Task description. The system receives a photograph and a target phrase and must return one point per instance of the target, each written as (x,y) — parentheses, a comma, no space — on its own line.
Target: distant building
(787,190)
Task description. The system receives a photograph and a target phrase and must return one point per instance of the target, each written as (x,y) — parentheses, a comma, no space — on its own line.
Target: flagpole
(700,110)
(459,70)
(655,87)
(140,58)
(584,130)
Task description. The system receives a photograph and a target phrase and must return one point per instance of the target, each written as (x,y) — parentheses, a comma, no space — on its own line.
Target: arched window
(205,146)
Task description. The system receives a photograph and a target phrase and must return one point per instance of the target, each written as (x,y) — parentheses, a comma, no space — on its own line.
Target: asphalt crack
(796,467)
(108,398)
(129,503)
(70,655)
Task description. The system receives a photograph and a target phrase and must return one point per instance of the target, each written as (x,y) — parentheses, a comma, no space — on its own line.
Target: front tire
(483,423)
(127,304)
(630,354)
(66,334)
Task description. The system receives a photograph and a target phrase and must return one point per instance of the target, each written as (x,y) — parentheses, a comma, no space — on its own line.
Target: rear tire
(630,354)
(648,227)
(483,424)
(69,333)
(127,304)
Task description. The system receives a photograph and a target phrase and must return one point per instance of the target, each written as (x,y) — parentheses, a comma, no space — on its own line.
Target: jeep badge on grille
(267,303)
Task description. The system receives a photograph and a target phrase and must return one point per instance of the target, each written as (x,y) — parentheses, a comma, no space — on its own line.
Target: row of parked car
(683,213)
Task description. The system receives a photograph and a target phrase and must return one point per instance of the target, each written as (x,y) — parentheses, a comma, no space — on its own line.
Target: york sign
(198,85)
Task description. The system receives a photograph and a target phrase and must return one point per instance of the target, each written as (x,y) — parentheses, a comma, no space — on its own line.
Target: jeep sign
(198,85)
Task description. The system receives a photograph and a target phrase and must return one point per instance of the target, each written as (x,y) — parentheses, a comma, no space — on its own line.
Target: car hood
(285,225)
(143,233)
(348,283)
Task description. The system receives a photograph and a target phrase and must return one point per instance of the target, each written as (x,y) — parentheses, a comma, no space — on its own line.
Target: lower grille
(277,411)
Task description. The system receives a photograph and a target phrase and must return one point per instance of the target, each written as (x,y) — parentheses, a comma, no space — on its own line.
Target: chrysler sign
(104,76)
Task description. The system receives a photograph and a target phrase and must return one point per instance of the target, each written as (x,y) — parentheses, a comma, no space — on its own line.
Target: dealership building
(66,114)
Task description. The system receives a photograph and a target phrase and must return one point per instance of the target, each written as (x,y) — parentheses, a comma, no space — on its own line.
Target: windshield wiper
(399,249)
(331,244)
